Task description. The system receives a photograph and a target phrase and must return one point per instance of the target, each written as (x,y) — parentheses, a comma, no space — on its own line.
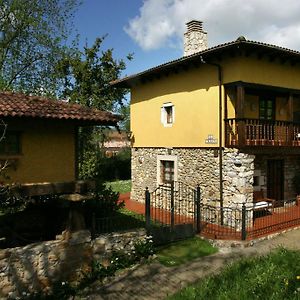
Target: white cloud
(161,23)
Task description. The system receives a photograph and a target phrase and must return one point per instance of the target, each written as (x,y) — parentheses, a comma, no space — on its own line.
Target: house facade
(115,141)
(226,118)
(39,143)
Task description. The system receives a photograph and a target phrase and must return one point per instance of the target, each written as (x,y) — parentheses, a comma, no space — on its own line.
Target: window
(267,108)
(166,169)
(167,114)
(11,144)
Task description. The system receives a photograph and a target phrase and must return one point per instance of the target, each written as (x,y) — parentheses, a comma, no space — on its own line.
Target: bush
(97,165)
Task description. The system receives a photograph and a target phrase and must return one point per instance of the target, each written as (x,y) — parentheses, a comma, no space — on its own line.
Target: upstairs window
(267,108)
(167,114)
(11,143)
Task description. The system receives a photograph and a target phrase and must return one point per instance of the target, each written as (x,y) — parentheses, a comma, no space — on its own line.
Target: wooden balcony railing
(255,132)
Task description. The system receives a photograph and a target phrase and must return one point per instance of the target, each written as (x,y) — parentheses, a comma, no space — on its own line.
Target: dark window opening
(11,143)
(169,113)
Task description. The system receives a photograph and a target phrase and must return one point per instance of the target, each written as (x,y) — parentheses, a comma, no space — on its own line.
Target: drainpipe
(219,67)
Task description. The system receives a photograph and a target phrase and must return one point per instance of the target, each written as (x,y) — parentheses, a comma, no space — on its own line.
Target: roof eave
(132,80)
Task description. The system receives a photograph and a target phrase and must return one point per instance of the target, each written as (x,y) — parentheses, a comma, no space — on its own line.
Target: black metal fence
(109,215)
(172,211)
(175,204)
(248,221)
(177,211)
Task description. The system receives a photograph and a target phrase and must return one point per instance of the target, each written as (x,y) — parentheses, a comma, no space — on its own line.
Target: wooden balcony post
(240,109)
(240,102)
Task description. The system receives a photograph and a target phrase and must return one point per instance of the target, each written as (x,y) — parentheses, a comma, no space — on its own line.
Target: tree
(31,37)
(85,79)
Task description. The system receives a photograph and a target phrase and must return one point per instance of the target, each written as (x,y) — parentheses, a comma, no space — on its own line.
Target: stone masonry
(197,166)
(36,267)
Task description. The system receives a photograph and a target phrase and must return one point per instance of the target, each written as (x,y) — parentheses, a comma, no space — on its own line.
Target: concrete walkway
(154,281)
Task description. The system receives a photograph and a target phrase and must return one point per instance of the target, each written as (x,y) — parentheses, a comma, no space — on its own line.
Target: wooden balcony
(255,132)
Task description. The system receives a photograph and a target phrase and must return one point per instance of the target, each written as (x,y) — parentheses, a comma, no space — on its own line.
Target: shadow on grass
(184,251)
(119,221)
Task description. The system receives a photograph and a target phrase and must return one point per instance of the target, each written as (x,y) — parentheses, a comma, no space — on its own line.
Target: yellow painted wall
(48,151)
(195,96)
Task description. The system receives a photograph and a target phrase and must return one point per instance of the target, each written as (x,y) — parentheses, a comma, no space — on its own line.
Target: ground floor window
(166,169)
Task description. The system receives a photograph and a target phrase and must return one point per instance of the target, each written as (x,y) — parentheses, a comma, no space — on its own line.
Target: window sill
(168,125)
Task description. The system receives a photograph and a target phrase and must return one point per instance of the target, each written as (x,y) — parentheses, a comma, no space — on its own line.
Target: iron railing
(246,221)
(170,205)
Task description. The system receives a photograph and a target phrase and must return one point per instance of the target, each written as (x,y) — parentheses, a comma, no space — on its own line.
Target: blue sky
(153,29)
(99,17)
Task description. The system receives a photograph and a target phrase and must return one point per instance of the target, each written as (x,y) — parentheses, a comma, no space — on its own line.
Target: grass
(120,186)
(121,220)
(183,251)
(275,276)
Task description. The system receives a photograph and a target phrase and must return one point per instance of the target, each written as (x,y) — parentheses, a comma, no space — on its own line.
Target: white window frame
(163,114)
(161,158)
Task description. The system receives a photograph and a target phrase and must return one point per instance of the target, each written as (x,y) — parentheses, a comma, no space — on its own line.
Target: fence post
(172,206)
(244,233)
(147,208)
(198,210)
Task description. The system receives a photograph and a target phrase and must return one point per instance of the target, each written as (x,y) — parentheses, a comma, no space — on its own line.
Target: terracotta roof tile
(20,105)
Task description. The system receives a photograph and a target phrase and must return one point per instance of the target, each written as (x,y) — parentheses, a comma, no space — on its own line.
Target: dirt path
(154,281)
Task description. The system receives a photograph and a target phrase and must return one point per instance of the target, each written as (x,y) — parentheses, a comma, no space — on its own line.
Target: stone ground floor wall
(36,266)
(196,166)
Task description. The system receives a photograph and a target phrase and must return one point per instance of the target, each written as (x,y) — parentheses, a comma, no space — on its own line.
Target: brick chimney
(195,39)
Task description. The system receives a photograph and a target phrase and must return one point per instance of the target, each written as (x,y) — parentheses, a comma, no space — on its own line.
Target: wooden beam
(240,102)
(53,188)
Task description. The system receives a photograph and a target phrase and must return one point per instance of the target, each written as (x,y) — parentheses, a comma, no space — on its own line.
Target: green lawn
(120,186)
(183,251)
(275,276)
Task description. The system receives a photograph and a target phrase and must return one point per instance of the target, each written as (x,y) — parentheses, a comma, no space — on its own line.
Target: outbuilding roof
(241,45)
(21,105)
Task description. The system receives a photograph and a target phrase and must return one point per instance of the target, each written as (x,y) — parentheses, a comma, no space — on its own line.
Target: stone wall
(105,244)
(197,166)
(36,266)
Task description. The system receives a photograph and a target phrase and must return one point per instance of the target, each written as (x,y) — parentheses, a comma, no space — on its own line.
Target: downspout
(219,67)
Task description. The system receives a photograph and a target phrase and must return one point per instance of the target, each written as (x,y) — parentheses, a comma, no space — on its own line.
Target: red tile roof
(20,105)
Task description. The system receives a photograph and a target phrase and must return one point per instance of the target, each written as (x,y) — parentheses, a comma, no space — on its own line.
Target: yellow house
(226,118)
(39,137)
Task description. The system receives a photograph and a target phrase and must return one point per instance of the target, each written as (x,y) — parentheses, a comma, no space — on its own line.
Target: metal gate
(172,211)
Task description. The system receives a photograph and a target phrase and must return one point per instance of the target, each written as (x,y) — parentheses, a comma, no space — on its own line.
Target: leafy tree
(31,37)
(85,79)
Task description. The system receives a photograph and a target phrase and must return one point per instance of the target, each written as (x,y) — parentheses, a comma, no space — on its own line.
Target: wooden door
(275,179)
